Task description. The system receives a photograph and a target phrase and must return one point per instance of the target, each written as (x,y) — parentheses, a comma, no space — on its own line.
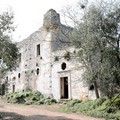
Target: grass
(101,108)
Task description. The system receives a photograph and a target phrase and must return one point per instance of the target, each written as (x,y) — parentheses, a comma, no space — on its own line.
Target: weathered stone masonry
(45,67)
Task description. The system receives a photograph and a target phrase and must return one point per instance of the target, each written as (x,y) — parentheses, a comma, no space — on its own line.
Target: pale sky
(29,13)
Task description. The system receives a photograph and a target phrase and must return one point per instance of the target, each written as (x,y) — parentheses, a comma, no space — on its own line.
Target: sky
(28,14)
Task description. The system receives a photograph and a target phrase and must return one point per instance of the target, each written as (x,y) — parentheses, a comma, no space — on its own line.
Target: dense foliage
(97,37)
(8,49)
(103,108)
(28,98)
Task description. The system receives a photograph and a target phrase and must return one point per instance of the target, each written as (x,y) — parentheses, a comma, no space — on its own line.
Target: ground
(32,112)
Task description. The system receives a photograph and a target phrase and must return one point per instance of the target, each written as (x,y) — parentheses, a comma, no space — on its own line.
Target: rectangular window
(19,57)
(13,89)
(38,49)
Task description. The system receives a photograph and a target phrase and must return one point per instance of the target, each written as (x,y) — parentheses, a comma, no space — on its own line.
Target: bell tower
(51,19)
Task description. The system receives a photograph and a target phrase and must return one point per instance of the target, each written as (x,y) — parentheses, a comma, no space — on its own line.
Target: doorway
(3,89)
(64,88)
(13,88)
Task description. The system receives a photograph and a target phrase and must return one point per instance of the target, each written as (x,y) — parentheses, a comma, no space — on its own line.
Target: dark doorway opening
(38,49)
(64,87)
(13,88)
(3,89)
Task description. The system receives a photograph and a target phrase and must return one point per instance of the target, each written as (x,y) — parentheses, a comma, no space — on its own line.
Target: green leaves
(8,50)
(99,48)
(6,22)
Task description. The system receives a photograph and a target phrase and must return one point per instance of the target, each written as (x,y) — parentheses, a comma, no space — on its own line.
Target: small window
(91,87)
(32,71)
(14,78)
(36,64)
(38,49)
(37,71)
(13,88)
(7,78)
(19,57)
(18,75)
(63,66)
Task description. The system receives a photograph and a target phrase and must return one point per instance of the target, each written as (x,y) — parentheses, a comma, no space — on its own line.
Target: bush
(41,101)
(73,102)
(117,103)
(28,98)
(50,101)
(111,109)
(103,108)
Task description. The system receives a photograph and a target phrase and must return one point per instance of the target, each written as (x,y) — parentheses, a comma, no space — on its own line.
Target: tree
(97,37)
(8,49)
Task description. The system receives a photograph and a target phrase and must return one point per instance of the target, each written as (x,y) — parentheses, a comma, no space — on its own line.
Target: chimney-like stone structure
(51,19)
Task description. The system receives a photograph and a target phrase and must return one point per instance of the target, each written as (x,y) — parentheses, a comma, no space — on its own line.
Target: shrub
(50,101)
(117,103)
(106,102)
(41,101)
(37,93)
(67,56)
(73,102)
(103,108)
(28,98)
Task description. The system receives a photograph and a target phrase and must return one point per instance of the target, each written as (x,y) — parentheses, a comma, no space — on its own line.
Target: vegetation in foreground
(29,98)
(8,49)
(96,37)
(102,108)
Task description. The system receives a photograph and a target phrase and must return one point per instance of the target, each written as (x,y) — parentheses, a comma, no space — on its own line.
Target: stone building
(47,65)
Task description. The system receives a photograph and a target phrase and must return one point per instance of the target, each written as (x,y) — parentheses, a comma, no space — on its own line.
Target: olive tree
(96,36)
(8,49)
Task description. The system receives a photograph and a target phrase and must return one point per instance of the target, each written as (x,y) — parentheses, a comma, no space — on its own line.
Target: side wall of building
(73,71)
(44,65)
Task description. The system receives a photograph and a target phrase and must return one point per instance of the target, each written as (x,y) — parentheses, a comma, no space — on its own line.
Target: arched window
(18,75)
(38,49)
(63,66)
(37,71)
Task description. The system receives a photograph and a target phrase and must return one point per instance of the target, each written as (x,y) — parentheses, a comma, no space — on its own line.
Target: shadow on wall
(14,116)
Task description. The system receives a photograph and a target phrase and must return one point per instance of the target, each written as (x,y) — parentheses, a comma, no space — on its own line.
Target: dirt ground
(44,112)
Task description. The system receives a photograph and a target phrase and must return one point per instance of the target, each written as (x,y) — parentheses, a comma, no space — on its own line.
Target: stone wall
(42,55)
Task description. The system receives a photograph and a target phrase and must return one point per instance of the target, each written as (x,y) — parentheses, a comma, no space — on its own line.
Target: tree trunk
(96,90)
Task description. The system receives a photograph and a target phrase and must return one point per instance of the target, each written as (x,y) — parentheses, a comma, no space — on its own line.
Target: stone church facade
(47,64)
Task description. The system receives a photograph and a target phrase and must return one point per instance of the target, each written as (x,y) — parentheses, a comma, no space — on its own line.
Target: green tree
(8,49)
(97,37)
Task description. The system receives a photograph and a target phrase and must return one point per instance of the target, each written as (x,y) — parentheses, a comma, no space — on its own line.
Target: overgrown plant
(96,35)
(67,56)
(8,49)
(28,98)
(98,108)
